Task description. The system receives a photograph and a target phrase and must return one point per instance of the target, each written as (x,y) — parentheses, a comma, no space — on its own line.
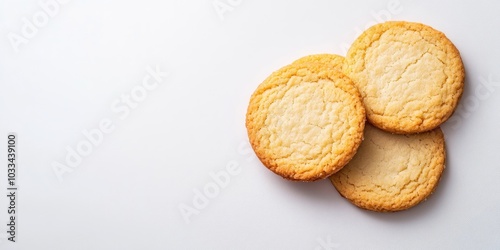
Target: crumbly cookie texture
(331,61)
(392,172)
(410,76)
(305,121)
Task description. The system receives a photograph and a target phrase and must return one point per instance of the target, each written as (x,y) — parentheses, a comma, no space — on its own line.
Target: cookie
(305,121)
(332,61)
(392,172)
(410,76)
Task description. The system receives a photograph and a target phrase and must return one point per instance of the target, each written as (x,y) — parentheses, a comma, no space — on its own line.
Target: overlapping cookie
(410,76)
(305,121)
(392,172)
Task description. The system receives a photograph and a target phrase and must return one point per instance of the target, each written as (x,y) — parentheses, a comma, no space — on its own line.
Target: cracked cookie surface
(410,76)
(331,61)
(392,172)
(305,121)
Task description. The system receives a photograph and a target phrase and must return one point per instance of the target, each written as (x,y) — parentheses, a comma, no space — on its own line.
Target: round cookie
(409,75)
(392,172)
(305,121)
(331,61)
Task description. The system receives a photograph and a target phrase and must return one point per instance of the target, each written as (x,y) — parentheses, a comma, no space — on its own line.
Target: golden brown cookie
(392,172)
(305,121)
(410,76)
(332,61)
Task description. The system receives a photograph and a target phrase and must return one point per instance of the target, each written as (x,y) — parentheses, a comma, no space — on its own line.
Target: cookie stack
(307,120)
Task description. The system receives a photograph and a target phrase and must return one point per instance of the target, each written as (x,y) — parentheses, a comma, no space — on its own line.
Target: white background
(126,193)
